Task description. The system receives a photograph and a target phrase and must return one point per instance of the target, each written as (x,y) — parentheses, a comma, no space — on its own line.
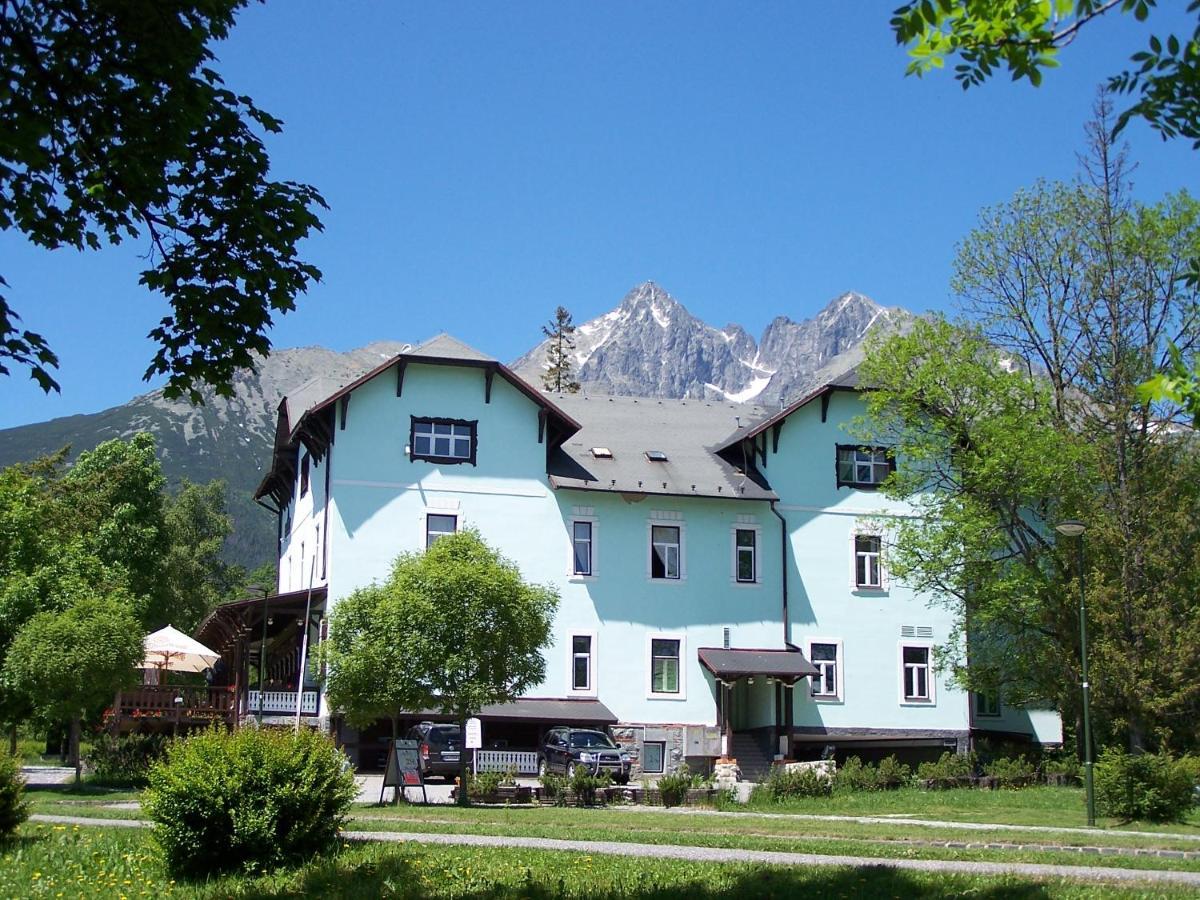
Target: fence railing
(166,701)
(275,702)
(521,761)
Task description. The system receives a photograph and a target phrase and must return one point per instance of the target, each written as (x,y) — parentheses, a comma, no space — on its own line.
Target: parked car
(565,749)
(439,747)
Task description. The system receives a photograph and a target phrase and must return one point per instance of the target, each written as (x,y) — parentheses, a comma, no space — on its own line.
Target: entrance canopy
(789,666)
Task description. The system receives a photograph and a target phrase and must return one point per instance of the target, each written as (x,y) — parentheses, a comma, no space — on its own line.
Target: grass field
(65,861)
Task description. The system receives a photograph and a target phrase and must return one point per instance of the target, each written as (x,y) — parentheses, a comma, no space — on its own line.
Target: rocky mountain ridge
(649,345)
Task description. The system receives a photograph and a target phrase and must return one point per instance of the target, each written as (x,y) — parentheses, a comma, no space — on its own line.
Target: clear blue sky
(485,162)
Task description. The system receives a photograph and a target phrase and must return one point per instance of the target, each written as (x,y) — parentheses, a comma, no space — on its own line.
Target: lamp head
(1071,528)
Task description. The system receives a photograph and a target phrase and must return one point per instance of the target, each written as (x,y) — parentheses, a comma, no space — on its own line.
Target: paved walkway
(35,775)
(718,854)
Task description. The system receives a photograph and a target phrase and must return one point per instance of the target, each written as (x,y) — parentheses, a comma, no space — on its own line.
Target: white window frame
(839,670)
(931,677)
(666,523)
(438,507)
(662,761)
(425,427)
(591,689)
(981,698)
(733,575)
(651,637)
(448,513)
(884,580)
(571,573)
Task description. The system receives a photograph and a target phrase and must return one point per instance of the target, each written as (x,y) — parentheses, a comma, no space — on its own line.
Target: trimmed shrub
(584,785)
(1061,767)
(673,787)
(14,808)
(125,761)
(855,775)
(1147,786)
(248,800)
(783,784)
(554,787)
(951,770)
(1011,772)
(892,773)
(484,784)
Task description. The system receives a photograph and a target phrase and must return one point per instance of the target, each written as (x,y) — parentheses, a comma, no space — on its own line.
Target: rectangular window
(824,658)
(916,674)
(581,662)
(438,526)
(863,467)
(867,570)
(581,537)
(443,440)
(744,546)
(664,551)
(305,466)
(987,703)
(653,756)
(664,666)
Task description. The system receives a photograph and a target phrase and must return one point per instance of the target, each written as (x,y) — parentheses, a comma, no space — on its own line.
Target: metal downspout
(783,547)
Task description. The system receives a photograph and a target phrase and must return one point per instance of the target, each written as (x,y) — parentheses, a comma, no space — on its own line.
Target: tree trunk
(398,790)
(74,749)
(12,739)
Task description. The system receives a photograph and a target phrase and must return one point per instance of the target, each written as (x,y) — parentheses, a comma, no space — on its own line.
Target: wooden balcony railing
(276,702)
(164,701)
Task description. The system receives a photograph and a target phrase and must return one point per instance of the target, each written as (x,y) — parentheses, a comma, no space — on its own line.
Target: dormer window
(443,440)
(656,456)
(602,453)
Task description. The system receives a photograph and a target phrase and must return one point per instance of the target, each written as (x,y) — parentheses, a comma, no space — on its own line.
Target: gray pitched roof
(687,431)
(443,346)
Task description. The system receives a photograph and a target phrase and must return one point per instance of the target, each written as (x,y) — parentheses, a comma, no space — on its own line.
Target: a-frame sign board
(403,770)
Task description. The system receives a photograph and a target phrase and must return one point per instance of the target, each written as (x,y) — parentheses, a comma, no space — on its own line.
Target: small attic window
(656,456)
(602,453)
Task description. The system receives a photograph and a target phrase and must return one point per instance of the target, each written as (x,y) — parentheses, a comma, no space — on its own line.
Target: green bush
(1061,765)
(484,784)
(1012,771)
(783,784)
(854,775)
(125,761)
(673,787)
(14,808)
(554,787)
(584,784)
(892,773)
(1153,787)
(247,800)
(951,770)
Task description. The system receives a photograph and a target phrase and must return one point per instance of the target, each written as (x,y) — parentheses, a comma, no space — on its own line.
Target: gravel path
(47,774)
(715,854)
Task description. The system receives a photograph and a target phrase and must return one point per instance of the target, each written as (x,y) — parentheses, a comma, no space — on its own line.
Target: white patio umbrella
(171,649)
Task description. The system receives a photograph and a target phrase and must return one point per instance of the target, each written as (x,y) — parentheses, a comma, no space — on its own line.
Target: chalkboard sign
(403,769)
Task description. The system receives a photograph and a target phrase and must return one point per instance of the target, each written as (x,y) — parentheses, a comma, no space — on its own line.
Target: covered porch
(261,641)
(755,693)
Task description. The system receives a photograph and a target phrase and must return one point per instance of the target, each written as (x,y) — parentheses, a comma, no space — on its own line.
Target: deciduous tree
(115,125)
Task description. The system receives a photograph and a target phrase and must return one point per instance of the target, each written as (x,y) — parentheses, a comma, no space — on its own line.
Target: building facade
(723,569)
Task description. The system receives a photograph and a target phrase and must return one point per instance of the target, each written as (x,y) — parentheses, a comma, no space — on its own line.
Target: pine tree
(559,330)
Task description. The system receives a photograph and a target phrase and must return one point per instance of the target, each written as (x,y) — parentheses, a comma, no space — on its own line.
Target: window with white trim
(664,665)
(582,663)
(863,467)
(581,547)
(826,685)
(654,757)
(868,561)
(916,673)
(305,468)
(443,440)
(745,555)
(438,525)
(665,548)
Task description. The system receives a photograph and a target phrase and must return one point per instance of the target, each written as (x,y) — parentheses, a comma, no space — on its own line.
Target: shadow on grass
(398,874)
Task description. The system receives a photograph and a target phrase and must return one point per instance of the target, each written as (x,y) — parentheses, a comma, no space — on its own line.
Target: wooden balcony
(175,704)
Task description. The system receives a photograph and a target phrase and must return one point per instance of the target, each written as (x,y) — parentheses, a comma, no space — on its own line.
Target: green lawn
(58,861)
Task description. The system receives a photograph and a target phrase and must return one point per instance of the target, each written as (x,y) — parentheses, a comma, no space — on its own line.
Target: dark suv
(566,749)
(439,746)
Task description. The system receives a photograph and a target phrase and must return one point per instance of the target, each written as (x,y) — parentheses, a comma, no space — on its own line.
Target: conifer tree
(559,330)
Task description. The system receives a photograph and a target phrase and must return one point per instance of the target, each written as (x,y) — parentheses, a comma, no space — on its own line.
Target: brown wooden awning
(243,618)
(788,666)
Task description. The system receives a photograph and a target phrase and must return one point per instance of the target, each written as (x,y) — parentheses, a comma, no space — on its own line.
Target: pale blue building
(722,567)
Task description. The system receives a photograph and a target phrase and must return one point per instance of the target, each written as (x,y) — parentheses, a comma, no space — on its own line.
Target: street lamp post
(1074,528)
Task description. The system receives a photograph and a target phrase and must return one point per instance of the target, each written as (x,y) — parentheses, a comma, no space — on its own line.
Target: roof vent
(602,453)
(656,456)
